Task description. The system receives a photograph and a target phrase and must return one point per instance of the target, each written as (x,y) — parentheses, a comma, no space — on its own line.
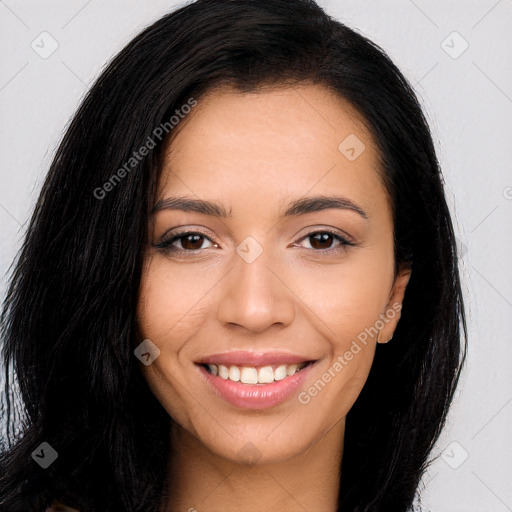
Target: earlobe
(394,306)
(383,342)
(399,286)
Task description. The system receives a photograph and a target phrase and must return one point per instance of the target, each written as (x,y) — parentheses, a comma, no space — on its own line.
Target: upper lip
(246,358)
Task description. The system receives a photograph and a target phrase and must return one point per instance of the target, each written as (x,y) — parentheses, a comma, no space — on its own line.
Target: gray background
(467,95)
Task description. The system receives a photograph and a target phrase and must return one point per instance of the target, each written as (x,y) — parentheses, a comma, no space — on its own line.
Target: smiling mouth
(255,374)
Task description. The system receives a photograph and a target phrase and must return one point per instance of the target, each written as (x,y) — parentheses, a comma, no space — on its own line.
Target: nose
(256,294)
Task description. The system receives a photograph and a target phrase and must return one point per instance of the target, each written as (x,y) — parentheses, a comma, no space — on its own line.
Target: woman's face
(280,280)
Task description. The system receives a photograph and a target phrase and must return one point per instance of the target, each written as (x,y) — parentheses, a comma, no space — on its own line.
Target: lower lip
(256,396)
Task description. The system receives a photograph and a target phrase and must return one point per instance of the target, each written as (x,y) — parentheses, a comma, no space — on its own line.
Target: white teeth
(291,369)
(234,374)
(280,372)
(251,375)
(266,375)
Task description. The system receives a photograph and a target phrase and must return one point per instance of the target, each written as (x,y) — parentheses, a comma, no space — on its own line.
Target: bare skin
(254,154)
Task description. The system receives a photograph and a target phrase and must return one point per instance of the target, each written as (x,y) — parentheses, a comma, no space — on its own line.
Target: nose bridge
(254,296)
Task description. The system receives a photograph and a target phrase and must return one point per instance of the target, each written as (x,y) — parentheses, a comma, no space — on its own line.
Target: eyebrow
(297,207)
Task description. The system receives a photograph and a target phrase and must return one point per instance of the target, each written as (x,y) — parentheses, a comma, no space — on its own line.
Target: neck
(201,481)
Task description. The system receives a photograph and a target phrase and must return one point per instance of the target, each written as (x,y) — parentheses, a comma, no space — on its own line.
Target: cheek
(172,299)
(344,302)
(347,298)
(172,307)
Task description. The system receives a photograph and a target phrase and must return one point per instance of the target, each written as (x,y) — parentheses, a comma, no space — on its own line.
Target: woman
(239,286)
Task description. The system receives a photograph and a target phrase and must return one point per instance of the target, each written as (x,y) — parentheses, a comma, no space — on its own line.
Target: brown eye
(191,242)
(321,240)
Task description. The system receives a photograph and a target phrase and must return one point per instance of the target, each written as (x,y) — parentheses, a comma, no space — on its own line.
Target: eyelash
(166,245)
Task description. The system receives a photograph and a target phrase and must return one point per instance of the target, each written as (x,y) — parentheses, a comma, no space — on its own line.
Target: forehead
(274,144)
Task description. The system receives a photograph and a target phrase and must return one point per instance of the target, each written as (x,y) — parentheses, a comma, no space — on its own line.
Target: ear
(393,310)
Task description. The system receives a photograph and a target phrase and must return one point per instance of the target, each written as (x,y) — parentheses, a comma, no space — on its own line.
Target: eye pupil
(321,238)
(195,245)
